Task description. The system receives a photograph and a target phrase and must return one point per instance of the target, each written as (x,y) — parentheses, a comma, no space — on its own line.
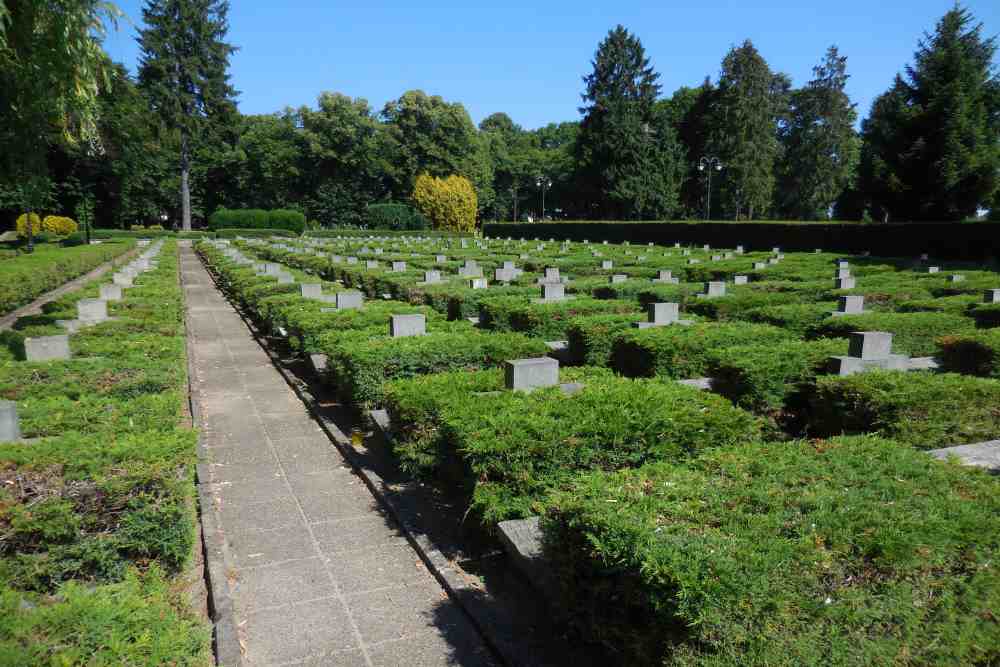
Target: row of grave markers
(89,313)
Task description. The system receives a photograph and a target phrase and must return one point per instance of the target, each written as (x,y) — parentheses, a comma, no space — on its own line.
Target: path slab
(315,570)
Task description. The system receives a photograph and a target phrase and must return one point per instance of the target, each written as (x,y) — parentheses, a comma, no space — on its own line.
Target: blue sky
(527,58)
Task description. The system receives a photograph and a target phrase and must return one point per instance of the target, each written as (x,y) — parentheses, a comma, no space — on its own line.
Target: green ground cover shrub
(513,448)
(683,352)
(590,337)
(958,304)
(140,620)
(359,367)
(853,551)
(544,320)
(737,301)
(976,353)
(986,315)
(760,377)
(107,488)
(28,276)
(251,218)
(922,409)
(913,333)
(795,317)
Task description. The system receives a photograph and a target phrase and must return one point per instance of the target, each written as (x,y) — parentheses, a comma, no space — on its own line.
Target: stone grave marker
(402,326)
(91,310)
(617,278)
(740,280)
(111,292)
(850,305)
(311,290)
(47,348)
(478,283)
(868,350)
(991,296)
(10,425)
(528,374)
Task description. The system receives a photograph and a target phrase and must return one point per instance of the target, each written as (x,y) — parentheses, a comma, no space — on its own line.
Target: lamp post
(708,163)
(544,182)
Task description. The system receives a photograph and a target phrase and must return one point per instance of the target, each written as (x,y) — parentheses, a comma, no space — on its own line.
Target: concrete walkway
(313,571)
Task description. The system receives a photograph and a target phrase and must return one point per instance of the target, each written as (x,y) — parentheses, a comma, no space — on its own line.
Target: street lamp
(708,163)
(544,182)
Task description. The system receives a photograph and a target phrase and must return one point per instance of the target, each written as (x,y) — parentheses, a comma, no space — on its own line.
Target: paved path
(35,307)
(314,571)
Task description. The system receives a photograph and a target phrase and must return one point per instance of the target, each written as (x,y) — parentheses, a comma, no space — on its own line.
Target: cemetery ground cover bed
(852,551)
(514,447)
(772,350)
(27,276)
(97,509)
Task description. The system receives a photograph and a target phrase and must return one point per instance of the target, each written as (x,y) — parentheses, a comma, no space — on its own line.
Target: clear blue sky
(526,58)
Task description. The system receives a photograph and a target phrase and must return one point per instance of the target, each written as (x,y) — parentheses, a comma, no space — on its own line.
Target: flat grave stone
(111,292)
(528,374)
(10,424)
(47,348)
(403,326)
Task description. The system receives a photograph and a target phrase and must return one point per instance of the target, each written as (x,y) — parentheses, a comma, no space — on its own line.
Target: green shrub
(922,409)
(683,352)
(247,218)
(359,368)
(976,353)
(293,221)
(958,304)
(544,320)
(734,303)
(139,621)
(74,239)
(854,551)
(590,337)
(516,447)
(252,218)
(398,217)
(986,315)
(795,317)
(759,377)
(913,333)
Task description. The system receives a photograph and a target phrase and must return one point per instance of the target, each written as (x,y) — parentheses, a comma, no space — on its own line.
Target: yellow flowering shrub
(59,225)
(449,203)
(22,224)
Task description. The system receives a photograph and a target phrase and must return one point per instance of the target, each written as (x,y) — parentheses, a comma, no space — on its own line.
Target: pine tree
(183,70)
(630,160)
(820,145)
(749,101)
(932,142)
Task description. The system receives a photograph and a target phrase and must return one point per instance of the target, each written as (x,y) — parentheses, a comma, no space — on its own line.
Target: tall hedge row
(940,239)
(254,218)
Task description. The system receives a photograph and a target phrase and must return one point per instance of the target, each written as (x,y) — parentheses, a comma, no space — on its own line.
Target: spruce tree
(932,143)
(630,160)
(183,69)
(748,103)
(820,144)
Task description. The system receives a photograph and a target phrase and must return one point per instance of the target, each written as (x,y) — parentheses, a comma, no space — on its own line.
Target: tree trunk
(185,185)
(31,232)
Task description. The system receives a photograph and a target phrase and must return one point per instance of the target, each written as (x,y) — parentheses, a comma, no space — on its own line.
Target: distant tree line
(171,143)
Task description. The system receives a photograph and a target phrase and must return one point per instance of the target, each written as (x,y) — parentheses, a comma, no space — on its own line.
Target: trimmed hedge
(976,353)
(517,447)
(360,367)
(590,337)
(913,333)
(922,409)
(253,218)
(544,320)
(853,551)
(943,240)
(683,352)
(760,377)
